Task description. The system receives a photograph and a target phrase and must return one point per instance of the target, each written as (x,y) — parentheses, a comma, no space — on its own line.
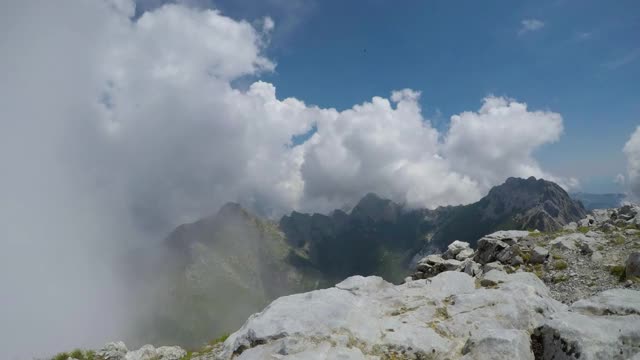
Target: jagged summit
(536,204)
(376,208)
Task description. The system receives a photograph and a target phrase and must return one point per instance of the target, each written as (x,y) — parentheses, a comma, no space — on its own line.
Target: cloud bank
(117,128)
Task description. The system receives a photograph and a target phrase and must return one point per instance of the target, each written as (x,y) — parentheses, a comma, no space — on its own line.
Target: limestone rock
(147,352)
(455,248)
(113,351)
(606,326)
(610,302)
(488,249)
(464,254)
(596,256)
(572,226)
(539,255)
(170,352)
(587,222)
(493,266)
(368,318)
(452,265)
(568,242)
(472,268)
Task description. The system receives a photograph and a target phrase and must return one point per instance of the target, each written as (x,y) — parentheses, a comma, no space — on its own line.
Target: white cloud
(632,151)
(385,147)
(499,139)
(529,25)
(117,129)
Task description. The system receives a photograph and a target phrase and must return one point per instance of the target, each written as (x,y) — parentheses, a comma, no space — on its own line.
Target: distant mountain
(223,268)
(521,204)
(230,265)
(599,201)
(380,237)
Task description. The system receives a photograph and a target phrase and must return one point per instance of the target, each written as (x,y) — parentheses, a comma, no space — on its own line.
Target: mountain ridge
(237,255)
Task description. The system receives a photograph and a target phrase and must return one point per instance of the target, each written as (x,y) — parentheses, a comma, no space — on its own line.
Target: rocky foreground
(571,294)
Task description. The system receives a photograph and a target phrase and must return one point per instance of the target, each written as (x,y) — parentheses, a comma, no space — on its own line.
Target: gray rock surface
(113,351)
(445,316)
(539,255)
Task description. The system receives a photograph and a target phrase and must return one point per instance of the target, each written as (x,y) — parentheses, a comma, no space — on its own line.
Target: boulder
(587,222)
(596,256)
(505,256)
(147,352)
(588,248)
(368,318)
(608,227)
(465,254)
(488,250)
(628,211)
(508,236)
(432,259)
(517,260)
(610,302)
(452,265)
(538,255)
(455,248)
(492,266)
(170,353)
(472,268)
(632,266)
(568,242)
(572,226)
(113,351)
(589,332)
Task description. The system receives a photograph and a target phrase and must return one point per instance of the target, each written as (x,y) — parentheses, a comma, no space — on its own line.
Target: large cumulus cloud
(117,128)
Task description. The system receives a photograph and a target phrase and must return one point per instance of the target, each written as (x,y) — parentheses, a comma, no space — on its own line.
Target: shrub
(61,356)
(560,265)
(618,240)
(583,229)
(557,256)
(560,278)
(76,354)
(619,272)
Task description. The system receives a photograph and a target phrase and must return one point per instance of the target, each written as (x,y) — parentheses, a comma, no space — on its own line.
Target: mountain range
(227,266)
(599,201)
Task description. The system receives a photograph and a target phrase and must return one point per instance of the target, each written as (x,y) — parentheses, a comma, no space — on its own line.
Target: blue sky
(578,58)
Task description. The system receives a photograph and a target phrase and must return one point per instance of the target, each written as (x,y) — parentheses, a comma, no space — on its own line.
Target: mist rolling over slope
(170,166)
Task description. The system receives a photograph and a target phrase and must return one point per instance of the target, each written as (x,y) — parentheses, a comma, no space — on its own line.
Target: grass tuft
(584,229)
(560,265)
(618,271)
(220,339)
(618,240)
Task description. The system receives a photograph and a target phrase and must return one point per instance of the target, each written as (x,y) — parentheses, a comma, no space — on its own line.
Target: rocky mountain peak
(376,208)
(535,204)
(232,210)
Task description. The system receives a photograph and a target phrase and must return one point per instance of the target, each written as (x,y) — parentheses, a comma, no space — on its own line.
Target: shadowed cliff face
(519,204)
